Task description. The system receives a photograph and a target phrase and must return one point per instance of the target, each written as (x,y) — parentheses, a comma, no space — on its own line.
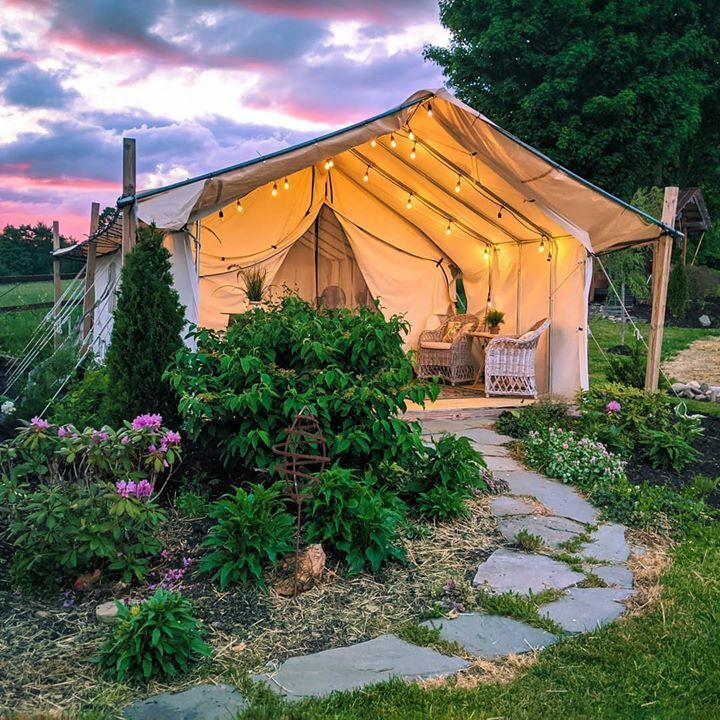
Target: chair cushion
(433,323)
(432,345)
(452,328)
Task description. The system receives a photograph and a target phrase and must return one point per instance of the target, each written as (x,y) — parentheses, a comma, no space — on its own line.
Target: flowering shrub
(563,454)
(157,638)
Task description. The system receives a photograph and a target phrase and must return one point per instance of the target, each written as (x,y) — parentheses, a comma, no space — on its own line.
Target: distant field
(16,328)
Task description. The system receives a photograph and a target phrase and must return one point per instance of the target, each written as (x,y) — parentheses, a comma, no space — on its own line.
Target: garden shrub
(156,639)
(678,292)
(628,370)
(668,451)
(82,501)
(356,520)
(253,529)
(446,475)
(703,283)
(546,412)
(242,388)
(146,333)
(83,404)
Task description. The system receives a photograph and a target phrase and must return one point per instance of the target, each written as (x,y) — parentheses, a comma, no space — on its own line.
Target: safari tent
(396,208)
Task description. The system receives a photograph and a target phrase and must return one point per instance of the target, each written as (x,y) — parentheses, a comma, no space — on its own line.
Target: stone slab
(585,609)
(511,571)
(608,544)
(202,702)
(553,530)
(507,506)
(485,436)
(456,427)
(492,450)
(503,464)
(492,636)
(106,613)
(560,499)
(357,666)
(614,575)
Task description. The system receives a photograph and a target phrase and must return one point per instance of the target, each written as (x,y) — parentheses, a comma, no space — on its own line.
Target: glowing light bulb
(448,229)
(541,249)
(331,162)
(286,184)
(413,153)
(457,185)
(327,165)
(393,141)
(429,109)
(274,190)
(366,176)
(408,204)
(238,206)
(221,215)
(411,134)
(486,253)
(373,142)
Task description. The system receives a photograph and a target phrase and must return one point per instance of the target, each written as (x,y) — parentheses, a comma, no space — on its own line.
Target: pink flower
(63,431)
(99,436)
(39,424)
(147,421)
(122,488)
(165,554)
(613,407)
(152,448)
(125,439)
(172,437)
(143,489)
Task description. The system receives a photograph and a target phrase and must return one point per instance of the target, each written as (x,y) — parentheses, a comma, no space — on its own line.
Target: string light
(542,246)
(413,153)
(429,109)
(457,185)
(366,176)
(238,206)
(500,212)
(486,254)
(221,215)
(274,190)
(373,142)
(448,229)
(329,163)
(411,134)
(408,204)
(393,141)
(286,184)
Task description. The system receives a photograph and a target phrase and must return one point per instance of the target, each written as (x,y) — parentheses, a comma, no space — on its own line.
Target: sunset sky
(200,85)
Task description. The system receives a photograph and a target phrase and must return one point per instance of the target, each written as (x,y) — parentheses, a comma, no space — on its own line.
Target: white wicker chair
(510,363)
(451,361)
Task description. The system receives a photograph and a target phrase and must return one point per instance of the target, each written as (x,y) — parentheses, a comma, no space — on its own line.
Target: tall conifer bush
(146,333)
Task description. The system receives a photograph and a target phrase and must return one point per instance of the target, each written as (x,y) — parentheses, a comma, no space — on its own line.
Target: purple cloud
(28,86)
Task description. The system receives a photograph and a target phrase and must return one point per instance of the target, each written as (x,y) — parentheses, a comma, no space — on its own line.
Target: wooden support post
(129,217)
(57,284)
(662,253)
(89,299)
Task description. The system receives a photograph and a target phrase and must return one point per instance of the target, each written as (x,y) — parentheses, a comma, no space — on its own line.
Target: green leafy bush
(192,502)
(629,369)
(703,283)
(156,639)
(678,292)
(446,476)
(668,451)
(253,529)
(146,333)
(546,412)
(83,404)
(242,388)
(355,519)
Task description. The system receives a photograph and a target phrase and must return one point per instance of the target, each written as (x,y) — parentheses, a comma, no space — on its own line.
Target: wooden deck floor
(468,397)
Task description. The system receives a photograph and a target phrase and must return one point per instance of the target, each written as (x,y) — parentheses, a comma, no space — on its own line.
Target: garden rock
(506,505)
(705,321)
(556,497)
(553,531)
(106,613)
(357,666)
(614,575)
(519,572)
(585,609)
(202,702)
(492,636)
(608,544)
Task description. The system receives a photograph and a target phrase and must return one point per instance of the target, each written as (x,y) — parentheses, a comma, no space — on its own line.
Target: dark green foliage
(703,283)
(351,516)
(243,388)
(146,333)
(25,250)
(668,451)
(628,369)
(447,475)
(83,404)
(678,292)
(253,530)
(159,638)
(546,412)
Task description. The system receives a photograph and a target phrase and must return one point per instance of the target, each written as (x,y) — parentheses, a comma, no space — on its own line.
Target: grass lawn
(16,328)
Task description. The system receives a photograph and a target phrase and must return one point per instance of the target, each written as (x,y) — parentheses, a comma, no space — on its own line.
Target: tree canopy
(25,250)
(623,92)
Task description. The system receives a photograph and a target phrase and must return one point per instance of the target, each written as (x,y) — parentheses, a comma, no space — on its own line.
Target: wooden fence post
(662,253)
(89,298)
(129,217)
(57,282)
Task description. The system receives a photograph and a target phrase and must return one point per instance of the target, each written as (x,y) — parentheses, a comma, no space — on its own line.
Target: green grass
(662,664)
(521,607)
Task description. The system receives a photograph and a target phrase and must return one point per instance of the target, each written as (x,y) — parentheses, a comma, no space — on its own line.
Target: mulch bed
(691,319)
(707,463)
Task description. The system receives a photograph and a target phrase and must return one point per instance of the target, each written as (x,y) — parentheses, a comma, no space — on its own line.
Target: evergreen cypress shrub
(146,334)
(678,295)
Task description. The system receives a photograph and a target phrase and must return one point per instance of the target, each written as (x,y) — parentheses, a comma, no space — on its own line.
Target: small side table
(483,338)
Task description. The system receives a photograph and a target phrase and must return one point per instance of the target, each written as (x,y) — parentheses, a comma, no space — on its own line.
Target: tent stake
(662,251)
(129,211)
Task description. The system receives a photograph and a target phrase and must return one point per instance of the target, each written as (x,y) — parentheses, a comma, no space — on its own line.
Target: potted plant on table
(255,288)
(494,319)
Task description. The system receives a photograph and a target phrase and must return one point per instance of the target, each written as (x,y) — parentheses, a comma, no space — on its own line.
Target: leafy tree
(25,250)
(625,93)
(146,333)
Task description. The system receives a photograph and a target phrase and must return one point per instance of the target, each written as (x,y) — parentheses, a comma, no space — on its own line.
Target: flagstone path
(553,513)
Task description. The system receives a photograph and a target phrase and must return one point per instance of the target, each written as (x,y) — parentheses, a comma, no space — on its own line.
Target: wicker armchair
(450,360)
(510,363)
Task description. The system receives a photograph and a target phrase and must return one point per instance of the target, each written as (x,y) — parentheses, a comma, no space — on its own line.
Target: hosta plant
(159,638)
